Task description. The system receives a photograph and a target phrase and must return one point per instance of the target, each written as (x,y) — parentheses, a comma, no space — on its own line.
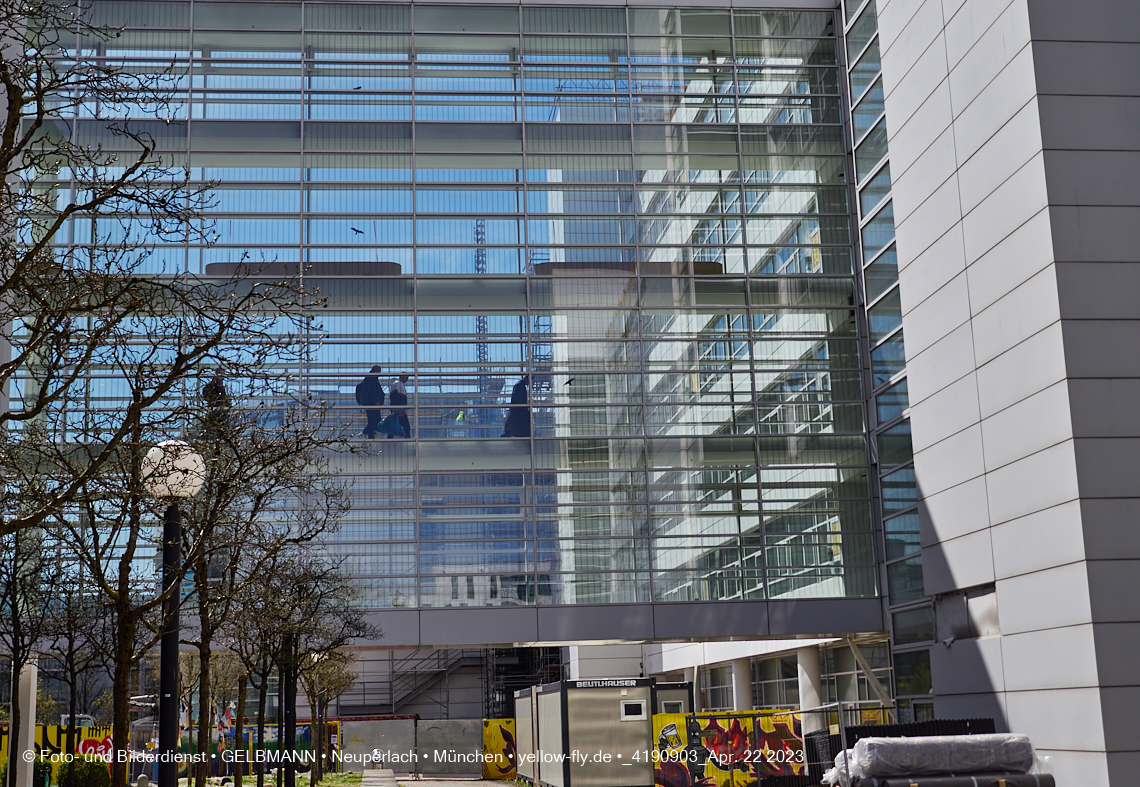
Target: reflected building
(645,210)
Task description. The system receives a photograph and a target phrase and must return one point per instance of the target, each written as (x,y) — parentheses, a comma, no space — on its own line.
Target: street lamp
(173,471)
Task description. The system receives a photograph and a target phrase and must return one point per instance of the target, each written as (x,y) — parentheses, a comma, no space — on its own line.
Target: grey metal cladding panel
(821,4)
(1121,723)
(1066,122)
(1106,467)
(1114,592)
(826,616)
(399,627)
(693,621)
(1095,234)
(987,705)
(1093,177)
(960,562)
(1099,290)
(1109,529)
(1123,766)
(602,622)
(1087,68)
(1091,20)
(968,666)
(1116,647)
(699,620)
(478,625)
(1104,407)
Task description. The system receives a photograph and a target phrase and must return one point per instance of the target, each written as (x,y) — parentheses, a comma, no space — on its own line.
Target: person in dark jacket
(518,420)
(370,394)
(217,407)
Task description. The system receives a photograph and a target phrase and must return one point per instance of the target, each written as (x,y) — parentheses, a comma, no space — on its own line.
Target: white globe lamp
(173,469)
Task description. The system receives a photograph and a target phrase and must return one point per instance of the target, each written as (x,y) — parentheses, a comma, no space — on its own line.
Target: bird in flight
(570,380)
(358,232)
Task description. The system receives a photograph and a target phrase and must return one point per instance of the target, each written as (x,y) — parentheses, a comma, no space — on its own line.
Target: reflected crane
(482,357)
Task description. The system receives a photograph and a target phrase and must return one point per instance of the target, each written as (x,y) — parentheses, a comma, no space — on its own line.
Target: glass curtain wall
(611,250)
(911,612)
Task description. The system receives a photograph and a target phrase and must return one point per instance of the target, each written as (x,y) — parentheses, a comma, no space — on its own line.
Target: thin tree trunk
(72,710)
(314,737)
(203,711)
(14,712)
(320,740)
(262,692)
(239,734)
(121,696)
(15,603)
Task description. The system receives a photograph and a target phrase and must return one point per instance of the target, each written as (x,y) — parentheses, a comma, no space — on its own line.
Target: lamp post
(172,471)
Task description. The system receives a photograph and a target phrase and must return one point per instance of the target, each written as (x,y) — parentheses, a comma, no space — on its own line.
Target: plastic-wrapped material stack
(942,756)
(969,780)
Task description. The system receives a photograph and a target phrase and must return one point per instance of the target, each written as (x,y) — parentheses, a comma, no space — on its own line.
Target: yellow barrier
(499,749)
(52,740)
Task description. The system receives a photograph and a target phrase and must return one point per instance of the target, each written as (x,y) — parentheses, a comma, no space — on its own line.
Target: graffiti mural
(675,763)
(499,750)
(52,739)
(732,749)
(779,745)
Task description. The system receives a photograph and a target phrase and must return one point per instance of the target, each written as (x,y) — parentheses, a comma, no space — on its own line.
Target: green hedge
(41,774)
(92,772)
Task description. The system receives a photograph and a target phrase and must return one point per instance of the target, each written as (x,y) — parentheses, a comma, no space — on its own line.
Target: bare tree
(226,673)
(269,488)
(324,615)
(301,607)
(256,640)
(103,177)
(101,340)
(324,676)
(71,641)
(26,576)
(103,344)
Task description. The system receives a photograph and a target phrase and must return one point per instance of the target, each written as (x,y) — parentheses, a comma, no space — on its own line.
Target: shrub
(41,773)
(92,772)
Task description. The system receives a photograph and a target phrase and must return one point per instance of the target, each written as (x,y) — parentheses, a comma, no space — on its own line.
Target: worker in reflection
(518,418)
(370,396)
(217,407)
(398,397)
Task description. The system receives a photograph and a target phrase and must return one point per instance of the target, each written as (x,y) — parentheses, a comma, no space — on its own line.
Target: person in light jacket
(398,397)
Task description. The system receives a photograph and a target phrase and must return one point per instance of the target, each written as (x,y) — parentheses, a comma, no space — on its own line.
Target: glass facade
(610,248)
(775,680)
(896,493)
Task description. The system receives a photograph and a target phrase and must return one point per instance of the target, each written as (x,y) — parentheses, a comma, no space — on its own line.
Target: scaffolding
(509,669)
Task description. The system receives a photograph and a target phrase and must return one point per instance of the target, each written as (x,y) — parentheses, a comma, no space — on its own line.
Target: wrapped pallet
(973,780)
(946,754)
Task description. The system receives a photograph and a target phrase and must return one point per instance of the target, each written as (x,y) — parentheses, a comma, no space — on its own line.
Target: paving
(378,777)
(449,781)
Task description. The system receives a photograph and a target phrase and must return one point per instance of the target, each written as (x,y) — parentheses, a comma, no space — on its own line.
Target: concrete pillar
(741,684)
(29,679)
(693,676)
(811,688)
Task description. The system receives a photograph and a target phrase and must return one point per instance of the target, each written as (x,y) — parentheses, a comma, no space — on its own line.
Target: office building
(700,233)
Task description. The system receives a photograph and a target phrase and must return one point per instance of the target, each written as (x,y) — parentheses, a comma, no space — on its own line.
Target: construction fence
(448,747)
